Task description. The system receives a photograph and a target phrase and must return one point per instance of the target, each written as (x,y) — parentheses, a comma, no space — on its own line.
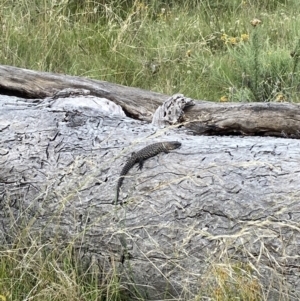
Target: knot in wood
(172,110)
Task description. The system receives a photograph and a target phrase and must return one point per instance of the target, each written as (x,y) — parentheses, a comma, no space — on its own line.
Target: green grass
(39,272)
(168,48)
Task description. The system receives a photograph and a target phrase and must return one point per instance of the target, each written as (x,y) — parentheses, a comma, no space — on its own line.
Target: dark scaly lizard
(143,154)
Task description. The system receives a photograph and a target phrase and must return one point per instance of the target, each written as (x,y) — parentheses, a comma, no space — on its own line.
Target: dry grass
(206,52)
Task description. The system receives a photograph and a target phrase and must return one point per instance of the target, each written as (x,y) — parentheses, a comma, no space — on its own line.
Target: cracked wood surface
(206,118)
(214,200)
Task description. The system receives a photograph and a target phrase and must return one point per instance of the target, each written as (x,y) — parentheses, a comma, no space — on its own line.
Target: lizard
(143,154)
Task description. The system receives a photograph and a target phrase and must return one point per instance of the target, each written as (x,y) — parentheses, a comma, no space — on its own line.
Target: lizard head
(173,145)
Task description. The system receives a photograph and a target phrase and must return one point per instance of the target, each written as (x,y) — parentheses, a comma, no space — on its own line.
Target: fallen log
(205,118)
(215,203)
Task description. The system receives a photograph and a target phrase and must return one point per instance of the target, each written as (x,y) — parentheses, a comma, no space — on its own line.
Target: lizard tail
(117,196)
(120,181)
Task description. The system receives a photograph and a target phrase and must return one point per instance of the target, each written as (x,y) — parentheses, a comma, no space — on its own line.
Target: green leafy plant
(255,71)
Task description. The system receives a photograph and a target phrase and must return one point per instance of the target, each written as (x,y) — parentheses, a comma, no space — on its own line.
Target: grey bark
(263,119)
(215,201)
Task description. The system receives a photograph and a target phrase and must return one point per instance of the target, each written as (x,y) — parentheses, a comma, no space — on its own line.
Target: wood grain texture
(205,118)
(214,200)
(34,84)
(262,119)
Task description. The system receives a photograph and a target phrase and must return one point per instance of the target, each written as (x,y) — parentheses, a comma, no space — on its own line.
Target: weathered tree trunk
(270,119)
(215,201)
